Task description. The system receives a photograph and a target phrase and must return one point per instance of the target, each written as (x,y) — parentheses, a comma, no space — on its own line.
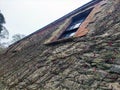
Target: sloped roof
(91,62)
(91,3)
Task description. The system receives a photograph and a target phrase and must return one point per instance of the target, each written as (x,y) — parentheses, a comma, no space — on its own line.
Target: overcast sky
(27,16)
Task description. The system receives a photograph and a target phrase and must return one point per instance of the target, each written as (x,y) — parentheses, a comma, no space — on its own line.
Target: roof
(91,62)
(91,3)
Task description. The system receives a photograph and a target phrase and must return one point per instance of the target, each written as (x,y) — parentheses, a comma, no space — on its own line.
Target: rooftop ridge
(92,2)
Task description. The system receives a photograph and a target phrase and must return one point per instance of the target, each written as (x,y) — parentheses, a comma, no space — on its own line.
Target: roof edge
(92,2)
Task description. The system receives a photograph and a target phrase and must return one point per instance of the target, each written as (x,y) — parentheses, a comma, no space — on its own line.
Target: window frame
(76,20)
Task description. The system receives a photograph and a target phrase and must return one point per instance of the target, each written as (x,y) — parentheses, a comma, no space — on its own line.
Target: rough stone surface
(91,62)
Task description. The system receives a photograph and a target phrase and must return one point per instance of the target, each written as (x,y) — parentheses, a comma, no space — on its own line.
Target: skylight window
(75,24)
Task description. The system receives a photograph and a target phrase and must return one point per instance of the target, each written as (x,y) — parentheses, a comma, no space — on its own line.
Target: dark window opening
(75,24)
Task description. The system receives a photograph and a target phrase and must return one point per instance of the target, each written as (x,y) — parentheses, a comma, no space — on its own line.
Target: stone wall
(91,62)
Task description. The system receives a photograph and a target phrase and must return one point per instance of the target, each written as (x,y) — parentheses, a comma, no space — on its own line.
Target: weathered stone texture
(91,62)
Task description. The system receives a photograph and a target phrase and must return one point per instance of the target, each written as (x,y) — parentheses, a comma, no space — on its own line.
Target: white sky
(27,16)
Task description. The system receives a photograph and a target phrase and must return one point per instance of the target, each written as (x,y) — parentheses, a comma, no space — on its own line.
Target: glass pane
(76,25)
(70,28)
(67,35)
(72,34)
